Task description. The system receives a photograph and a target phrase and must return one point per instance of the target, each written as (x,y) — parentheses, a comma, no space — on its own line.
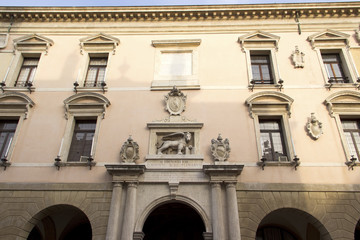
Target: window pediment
(99,42)
(343,102)
(86,103)
(33,42)
(329,38)
(259,39)
(15,103)
(268,103)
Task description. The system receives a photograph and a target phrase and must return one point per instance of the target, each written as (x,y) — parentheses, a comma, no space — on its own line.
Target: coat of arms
(314,127)
(129,151)
(175,102)
(220,149)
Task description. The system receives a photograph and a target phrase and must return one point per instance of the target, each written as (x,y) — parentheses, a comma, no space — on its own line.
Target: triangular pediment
(328,36)
(259,38)
(100,38)
(99,42)
(33,42)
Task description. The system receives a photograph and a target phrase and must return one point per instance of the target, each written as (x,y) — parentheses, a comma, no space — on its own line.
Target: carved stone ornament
(175,102)
(298,58)
(178,141)
(129,151)
(314,127)
(220,149)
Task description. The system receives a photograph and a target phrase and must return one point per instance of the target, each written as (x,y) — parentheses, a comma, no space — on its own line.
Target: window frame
(31,67)
(82,106)
(351,131)
(268,64)
(166,82)
(97,83)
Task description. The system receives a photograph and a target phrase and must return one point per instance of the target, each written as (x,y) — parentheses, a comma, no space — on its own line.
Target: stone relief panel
(175,143)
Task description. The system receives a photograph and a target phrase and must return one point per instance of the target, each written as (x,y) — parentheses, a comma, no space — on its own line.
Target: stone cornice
(179,13)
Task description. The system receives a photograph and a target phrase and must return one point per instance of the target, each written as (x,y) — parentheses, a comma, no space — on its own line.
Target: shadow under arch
(295,222)
(59,222)
(168,199)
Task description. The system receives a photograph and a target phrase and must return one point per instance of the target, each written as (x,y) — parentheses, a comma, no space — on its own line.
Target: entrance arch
(174,220)
(60,222)
(291,224)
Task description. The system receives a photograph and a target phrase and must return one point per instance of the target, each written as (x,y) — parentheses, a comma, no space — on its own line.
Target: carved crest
(175,102)
(298,58)
(129,151)
(314,127)
(220,149)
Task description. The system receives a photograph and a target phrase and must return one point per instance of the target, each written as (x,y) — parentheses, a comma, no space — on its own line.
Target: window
(176,64)
(82,140)
(332,49)
(261,69)
(272,140)
(334,68)
(27,72)
(84,113)
(260,51)
(96,72)
(7,132)
(352,136)
(271,112)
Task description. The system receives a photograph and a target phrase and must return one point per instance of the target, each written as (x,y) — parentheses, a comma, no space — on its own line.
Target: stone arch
(15,103)
(343,102)
(303,223)
(87,98)
(167,199)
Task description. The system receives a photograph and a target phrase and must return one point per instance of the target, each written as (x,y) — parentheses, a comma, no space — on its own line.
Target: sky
(148,2)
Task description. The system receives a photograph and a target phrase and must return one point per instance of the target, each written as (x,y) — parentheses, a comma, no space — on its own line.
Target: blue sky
(147,2)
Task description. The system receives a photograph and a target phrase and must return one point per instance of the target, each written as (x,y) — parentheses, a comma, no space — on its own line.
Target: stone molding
(343,102)
(99,42)
(259,39)
(33,42)
(329,38)
(15,103)
(184,13)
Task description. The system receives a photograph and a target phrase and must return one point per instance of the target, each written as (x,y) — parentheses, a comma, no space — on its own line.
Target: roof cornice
(176,13)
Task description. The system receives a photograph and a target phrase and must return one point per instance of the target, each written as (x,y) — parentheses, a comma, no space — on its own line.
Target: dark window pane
(82,140)
(96,72)
(27,72)
(334,68)
(272,140)
(261,71)
(7,132)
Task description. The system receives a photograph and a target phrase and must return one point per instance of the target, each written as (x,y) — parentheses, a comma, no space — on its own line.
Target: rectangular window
(352,134)
(82,140)
(7,132)
(27,72)
(272,140)
(261,69)
(96,72)
(176,64)
(334,68)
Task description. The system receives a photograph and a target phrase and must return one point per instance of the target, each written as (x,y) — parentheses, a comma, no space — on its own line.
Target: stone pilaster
(216,211)
(129,214)
(232,211)
(114,223)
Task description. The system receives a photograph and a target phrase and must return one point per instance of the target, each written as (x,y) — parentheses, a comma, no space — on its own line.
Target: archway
(60,222)
(357,231)
(175,221)
(290,224)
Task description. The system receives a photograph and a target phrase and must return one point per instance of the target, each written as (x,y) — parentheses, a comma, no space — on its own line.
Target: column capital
(230,184)
(133,184)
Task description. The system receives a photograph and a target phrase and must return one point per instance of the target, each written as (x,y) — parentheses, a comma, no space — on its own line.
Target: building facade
(180,122)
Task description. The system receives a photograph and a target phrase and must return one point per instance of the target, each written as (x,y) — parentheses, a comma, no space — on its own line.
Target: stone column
(232,211)
(129,215)
(114,223)
(216,211)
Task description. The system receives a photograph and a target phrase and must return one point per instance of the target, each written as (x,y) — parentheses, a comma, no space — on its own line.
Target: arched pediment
(343,102)
(99,42)
(33,42)
(15,103)
(259,38)
(92,103)
(324,38)
(269,102)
